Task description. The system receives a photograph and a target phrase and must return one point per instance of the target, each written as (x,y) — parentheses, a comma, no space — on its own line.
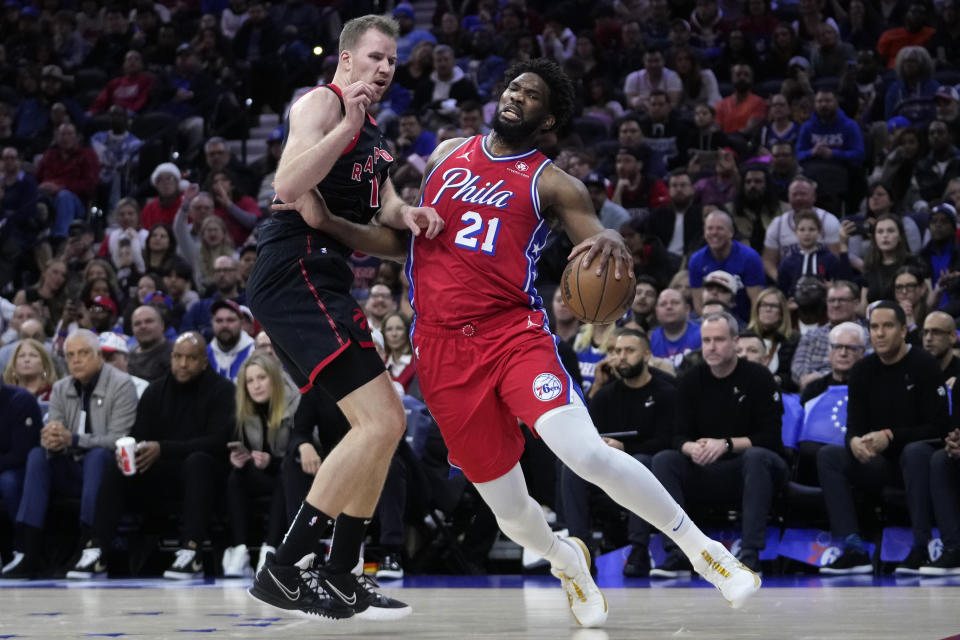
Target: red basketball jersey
(484,261)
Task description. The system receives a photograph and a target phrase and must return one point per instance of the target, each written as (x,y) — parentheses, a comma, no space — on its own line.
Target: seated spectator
(563,324)
(160,249)
(99,404)
(944,480)
(771,321)
(267,401)
(939,339)
(720,286)
(678,224)
(677,335)
(947,101)
(650,258)
(635,189)
(663,131)
(783,168)
(482,66)
(33,112)
(112,42)
(811,258)
(638,85)
(131,91)
(115,352)
(20,314)
(858,228)
(178,283)
(831,57)
(895,402)
(204,240)
(910,291)
(756,205)
(913,33)
(885,255)
(31,328)
(591,346)
(912,94)
(723,254)
(781,238)
(743,112)
(727,440)
(409,35)
(125,223)
(117,150)
(226,283)
(239,212)
(941,255)
(612,215)
(720,189)
(638,410)
(940,165)
(700,143)
(445,87)
(18,206)
(48,295)
(413,139)
(216,157)
(246,258)
(643,309)
(19,433)
(811,360)
(182,426)
(231,344)
(166,180)
(187,92)
(31,367)
(399,352)
(895,166)
(68,175)
(699,85)
(150,358)
(779,128)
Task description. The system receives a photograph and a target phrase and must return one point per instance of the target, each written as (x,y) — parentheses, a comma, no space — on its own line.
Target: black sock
(348,534)
(304,531)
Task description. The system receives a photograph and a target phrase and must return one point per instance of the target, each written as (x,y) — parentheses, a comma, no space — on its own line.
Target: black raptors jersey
(351,189)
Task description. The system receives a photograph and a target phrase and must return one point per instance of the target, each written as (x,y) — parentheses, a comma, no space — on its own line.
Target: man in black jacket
(683,214)
(896,403)
(637,411)
(727,440)
(183,423)
(19,433)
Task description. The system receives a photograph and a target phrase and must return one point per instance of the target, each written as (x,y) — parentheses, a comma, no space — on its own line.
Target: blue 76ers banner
(825,417)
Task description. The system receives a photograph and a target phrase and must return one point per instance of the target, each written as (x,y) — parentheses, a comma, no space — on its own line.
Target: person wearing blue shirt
(676,336)
(723,254)
(830,135)
(409,37)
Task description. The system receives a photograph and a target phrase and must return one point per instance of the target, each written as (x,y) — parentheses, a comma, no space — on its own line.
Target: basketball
(598,300)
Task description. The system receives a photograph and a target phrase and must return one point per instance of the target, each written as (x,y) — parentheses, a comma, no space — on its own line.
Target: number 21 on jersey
(468,236)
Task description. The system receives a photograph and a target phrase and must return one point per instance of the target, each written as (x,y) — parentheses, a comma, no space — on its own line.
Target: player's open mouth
(380,83)
(511,113)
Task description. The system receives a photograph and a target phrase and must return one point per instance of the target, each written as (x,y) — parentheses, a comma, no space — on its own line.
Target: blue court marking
(11,635)
(196,630)
(253,624)
(144,613)
(105,635)
(264,619)
(226,615)
(50,614)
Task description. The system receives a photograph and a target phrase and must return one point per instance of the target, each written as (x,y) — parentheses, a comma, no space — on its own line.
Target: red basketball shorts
(478,379)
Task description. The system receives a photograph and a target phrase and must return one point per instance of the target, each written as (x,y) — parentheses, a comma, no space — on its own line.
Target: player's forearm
(371,239)
(297,175)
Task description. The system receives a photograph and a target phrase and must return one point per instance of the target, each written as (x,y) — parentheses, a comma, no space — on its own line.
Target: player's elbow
(286,192)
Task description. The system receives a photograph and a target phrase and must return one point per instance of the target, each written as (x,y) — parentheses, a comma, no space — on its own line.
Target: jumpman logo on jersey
(465,155)
(531,323)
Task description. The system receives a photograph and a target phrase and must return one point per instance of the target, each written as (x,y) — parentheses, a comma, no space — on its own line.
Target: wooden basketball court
(500,607)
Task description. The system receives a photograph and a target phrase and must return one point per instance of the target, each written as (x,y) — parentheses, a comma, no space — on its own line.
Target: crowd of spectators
(785,173)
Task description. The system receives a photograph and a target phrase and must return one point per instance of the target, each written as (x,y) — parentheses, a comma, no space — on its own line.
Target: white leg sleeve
(521,518)
(570,434)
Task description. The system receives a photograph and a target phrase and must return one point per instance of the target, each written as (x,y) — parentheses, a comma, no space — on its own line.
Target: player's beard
(632,371)
(514,131)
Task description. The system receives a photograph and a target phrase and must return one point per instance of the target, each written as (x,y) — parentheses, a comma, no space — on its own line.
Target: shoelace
(89,557)
(184,556)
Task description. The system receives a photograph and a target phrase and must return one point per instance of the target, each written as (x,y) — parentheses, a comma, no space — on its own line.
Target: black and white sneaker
(360,593)
(948,564)
(675,565)
(186,566)
(390,568)
(914,562)
(89,566)
(297,590)
(850,562)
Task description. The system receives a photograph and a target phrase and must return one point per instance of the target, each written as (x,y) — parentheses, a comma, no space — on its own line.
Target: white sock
(522,519)
(569,432)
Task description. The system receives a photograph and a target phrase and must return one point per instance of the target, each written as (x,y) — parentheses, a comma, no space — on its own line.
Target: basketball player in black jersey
(299,291)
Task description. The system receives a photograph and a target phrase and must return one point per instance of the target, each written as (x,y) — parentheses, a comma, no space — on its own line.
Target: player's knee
(589,461)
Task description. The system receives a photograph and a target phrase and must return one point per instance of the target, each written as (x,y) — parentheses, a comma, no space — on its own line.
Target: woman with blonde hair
(31,367)
(214,242)
(770,319)
(266,403)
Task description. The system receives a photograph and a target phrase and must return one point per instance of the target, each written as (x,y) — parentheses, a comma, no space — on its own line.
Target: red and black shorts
(300,294)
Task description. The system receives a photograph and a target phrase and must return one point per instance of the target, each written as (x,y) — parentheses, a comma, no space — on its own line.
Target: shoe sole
(384,613)
(660,573)
(389,575)
(846,572)
(586,556)
(938,572)
(757,583)
(267,599)
(84,575)
(907,571)
(178,575)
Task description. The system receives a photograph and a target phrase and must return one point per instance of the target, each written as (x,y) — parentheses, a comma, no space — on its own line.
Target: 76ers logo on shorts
(547,386)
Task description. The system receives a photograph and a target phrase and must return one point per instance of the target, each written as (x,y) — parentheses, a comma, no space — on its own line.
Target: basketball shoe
(361,595)
(734,580)
(89,565)
(587,602)
(296,588)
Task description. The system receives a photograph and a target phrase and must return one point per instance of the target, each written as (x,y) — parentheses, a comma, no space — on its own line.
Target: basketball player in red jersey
(299,290)
(485,355)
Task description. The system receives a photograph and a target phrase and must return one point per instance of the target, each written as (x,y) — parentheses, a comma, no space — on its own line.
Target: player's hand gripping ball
(596,299)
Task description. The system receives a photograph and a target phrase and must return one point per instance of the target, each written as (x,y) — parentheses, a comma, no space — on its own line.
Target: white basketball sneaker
(587,602)
(720,568)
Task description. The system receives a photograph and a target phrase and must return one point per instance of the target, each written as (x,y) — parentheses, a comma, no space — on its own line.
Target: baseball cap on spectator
(106,302)
(897,122)
(946,92)
(946,209)
(53,71)
(161,296)
(111,342)
(722,279)
(404,8)
(165,167)
(78,227)
(225,304)
(245,311)
(799,61)
(594,179)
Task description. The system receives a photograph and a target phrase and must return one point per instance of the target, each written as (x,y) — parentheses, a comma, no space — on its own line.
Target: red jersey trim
(316,296)
(320,367)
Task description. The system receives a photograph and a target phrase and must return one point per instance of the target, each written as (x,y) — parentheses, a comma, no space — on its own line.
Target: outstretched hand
(422,218)
(310,206)
(607,243)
